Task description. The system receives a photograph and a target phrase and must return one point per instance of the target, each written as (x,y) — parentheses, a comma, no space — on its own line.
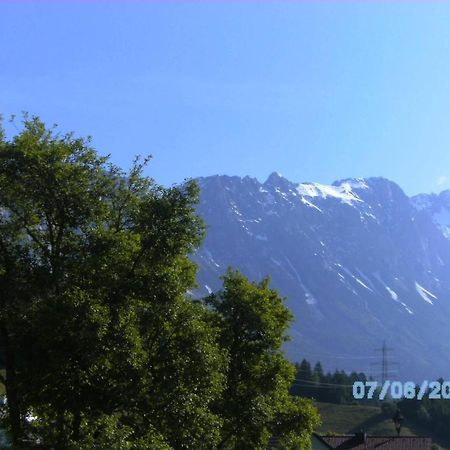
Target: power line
(324,387)
(313,383)
(341,356)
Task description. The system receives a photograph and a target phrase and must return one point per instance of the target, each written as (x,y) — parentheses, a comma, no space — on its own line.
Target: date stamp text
(397,390)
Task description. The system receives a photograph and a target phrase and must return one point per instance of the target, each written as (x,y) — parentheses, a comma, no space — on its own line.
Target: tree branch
(31,234)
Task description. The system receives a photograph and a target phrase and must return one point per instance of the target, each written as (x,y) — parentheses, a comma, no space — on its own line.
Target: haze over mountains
(359,262)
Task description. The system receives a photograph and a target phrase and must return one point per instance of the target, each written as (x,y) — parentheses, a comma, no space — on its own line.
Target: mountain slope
(359,262)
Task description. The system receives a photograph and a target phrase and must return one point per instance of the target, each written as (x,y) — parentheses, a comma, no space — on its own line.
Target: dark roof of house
(361,442)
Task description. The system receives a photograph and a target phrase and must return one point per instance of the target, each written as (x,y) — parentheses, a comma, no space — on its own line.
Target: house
(360,441)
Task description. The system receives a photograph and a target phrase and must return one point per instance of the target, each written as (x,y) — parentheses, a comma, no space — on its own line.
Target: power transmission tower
(385,363)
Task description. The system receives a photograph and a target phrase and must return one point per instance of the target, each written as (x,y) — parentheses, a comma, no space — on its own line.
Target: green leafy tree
(97,335)
(256,403)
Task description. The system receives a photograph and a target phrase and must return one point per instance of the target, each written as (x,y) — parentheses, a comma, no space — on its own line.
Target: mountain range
(358,261)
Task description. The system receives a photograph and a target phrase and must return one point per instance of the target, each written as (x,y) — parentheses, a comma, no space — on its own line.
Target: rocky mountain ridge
(359,262)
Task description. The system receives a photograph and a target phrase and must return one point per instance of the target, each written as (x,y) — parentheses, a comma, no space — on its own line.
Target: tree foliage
(100,343)
(94,273)
(256,404)
(327,387)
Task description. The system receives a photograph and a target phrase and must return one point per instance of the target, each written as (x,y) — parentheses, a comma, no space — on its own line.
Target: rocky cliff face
(359,262)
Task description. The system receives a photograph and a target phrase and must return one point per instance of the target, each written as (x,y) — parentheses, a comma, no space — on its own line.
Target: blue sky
(318,91)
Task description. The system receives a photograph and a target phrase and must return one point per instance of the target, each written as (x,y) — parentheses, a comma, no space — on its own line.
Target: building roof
(360,441)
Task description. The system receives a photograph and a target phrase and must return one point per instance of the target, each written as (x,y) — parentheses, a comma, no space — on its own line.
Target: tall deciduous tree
(256,404)
(97,335)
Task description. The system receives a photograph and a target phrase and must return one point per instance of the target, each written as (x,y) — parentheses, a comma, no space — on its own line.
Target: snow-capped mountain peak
(358,260)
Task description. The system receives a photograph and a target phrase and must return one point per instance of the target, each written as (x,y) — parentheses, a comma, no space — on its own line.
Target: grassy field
(348,419)
(353,418)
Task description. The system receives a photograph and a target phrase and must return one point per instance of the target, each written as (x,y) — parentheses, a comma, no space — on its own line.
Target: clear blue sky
(315,90)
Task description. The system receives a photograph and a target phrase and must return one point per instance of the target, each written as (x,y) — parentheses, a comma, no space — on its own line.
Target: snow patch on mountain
(394,294)
(310,300)
(361,283)
(350,274)
(354,183)
(343,192)
(276,262)
(235,209)
(311,205)
(209,258)
(424,293)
